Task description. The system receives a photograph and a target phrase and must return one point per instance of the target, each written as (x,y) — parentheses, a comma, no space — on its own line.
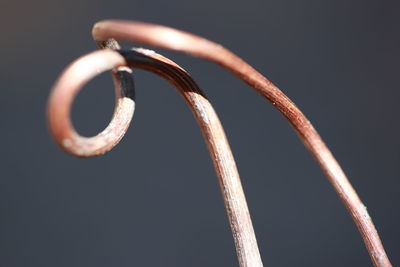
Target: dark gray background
(154,199)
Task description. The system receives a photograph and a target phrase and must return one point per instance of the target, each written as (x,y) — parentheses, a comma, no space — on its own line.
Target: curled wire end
(74,77)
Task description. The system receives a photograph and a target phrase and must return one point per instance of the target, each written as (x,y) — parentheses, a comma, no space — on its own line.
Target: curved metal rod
(168,38)
(85,68)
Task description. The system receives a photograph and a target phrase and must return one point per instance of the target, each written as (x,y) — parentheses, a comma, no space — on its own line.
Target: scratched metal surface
(339,63)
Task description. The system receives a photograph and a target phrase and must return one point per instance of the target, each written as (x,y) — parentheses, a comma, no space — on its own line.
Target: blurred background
(154,199)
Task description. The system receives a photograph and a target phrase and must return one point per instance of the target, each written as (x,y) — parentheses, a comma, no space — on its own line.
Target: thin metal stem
(169,38)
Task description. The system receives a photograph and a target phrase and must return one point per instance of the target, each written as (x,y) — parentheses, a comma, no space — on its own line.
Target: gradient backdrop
(154,199)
